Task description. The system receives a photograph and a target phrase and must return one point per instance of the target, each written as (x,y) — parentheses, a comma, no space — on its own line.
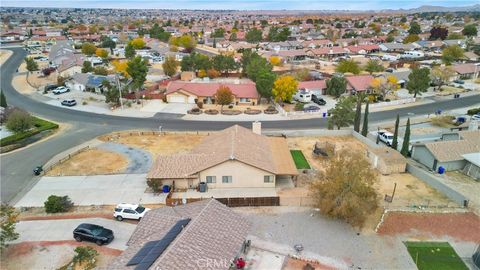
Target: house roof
(214,232)
(466,68)
(445,151)
(208,89)
(473,158)
(313,85)
(359,83)
(234,143)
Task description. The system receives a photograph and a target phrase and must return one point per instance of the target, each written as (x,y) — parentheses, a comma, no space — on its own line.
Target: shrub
(200,105)
(56,204)
(86,257)
(84,103)
(19,121)
(299,106)
(154,185)
(40,125)
(443,121)
(473,111)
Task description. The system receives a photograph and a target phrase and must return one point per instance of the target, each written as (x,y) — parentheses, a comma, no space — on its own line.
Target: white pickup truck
(386,137)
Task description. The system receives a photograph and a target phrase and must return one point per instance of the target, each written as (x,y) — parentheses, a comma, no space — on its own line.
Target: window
(268,179)
(226,179)
(128,211)
(211,179)
(244,100)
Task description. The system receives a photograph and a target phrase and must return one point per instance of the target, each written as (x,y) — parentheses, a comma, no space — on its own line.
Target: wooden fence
(232,202)
(62,160)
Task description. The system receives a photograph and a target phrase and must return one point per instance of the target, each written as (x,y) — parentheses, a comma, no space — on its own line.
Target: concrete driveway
(62,229)
(92,190)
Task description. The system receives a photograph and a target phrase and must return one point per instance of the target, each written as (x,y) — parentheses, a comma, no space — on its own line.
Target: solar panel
(150,252)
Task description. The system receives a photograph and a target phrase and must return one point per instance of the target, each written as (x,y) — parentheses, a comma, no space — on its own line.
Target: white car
(129,211)
(60,90)
(476,117)
(386,137)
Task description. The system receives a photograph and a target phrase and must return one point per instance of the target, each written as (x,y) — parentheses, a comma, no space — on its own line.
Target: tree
(8,221)
(170,66)
(19,121)
(346,190)
(120,67)
(365,121)
(264,83)
(31,64)
(223,96)
(284,87)
(470,30)
(418,81)
(137,43)
(218,33)
(411,38)
(87,67)
(395,133)
(56,204)
(224,63)
(100,71)
(159,33)
(88,48)
(277,35)
(343,114)
(302,75)
(212,73)
(374,66)
(255,65)
(233,36)
(102,53)
(107,42)
(358,111)
(3,100)
(336,86)
(137,69)
(442,75)
(438,32)
(111,93)
(414,29)
(86,257)
(253,35)
(275,60)
(345,66)
(406,140)
(186,41)
(384,86)
(451,54)
(129,51)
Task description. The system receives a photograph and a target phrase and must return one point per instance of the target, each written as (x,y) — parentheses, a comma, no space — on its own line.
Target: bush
(19,121)
(444,121)
(84,103)
(473,111)
(39,124)
(299,106)
(86,257)
(154,185)
(200,105)
(56,204)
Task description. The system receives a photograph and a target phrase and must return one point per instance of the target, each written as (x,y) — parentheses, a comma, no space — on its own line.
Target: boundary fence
(231,202)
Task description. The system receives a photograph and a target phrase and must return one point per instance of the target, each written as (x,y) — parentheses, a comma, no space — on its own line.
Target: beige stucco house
(232,158)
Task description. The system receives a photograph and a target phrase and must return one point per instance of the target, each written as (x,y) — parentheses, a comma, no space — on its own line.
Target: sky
(241,5)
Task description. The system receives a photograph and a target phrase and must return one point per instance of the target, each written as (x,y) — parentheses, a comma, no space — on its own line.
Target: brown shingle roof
(445,151)
(214,233)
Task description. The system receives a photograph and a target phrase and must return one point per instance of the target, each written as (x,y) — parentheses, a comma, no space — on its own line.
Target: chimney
(257,127)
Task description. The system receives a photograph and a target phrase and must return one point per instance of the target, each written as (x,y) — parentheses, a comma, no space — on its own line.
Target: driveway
(62,229)
(93,190)
(139,161)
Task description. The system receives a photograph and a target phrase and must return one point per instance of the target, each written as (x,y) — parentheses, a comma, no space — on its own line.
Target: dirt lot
(4,55)
(50,255)
(294,264)
(160,144)
(462,226)
(20,84)
(39,81)
(91,162)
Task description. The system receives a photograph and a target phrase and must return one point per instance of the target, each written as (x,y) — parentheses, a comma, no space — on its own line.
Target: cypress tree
(365,122)
(3,100)
(395,134)
(358,115)
(406,140)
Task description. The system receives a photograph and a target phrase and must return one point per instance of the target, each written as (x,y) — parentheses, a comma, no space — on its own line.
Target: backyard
(299,159)
(434,255)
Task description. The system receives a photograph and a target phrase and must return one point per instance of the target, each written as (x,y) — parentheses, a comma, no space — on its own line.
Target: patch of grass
(444,121)
(299,159)
(434,255)
(39,126)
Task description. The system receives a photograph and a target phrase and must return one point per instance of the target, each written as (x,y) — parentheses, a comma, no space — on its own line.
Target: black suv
(93,233)
(319,101)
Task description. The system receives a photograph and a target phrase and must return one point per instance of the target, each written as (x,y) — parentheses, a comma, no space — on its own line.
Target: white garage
(176,99)
(181,97)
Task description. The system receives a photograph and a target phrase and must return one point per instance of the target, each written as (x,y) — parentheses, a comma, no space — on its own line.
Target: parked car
(129,211)
(459,81)
(69,102)
(386,137)
(41,58)
(93,233)
(50,87)
(317,100)
(311,108)
(476,117)
(60,90)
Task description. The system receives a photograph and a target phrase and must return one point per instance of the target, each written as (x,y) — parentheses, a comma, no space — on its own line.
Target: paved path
(62,229)
(139,161)
(92,190)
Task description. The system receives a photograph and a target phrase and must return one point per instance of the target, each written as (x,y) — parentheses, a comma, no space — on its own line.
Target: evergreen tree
(395,134)
(358,114)
(365,122)
(214,43)
(3,100)
(406,140)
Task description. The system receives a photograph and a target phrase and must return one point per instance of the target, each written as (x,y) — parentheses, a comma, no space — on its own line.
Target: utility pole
(119,90)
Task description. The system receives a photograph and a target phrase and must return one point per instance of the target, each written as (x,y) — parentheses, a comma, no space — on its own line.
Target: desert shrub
(270,110)
(211,111)
(231,112)
(443,120)
(56,204)
(473,111)
(86,257)
(84,103)
(19,121)
(154,185)
(299,106)
(252,111)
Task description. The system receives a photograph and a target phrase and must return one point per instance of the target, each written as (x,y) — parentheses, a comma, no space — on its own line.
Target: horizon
(248,5)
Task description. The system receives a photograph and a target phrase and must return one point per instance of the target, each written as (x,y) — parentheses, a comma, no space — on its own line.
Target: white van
(388,57)
(303,96)
(412,55)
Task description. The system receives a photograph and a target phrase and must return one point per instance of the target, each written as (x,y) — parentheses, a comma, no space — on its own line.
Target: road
(16,167)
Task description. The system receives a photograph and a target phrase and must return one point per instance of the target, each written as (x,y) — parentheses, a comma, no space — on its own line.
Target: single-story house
(71,66)
(199,235)
(317,86)
(467,71)
(192,92)
(86,81)
(359,83)
(235,157)
(328,52)
(396,47)
(363,49)
(472,168)
(448,152)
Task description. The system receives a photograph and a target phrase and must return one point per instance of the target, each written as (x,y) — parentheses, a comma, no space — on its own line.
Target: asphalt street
(16,167)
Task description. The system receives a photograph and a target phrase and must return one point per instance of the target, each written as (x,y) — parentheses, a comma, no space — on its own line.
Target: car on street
(459,81)
(129,211)
(93,233)
(386,137)
(60,90)
(69,102)
(311,108)
(318,100)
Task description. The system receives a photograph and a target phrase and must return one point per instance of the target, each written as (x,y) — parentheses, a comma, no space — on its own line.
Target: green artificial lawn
(299,159)
(435,255)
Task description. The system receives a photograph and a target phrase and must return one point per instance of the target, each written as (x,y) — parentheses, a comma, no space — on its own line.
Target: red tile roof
(312,85)
(328,50)
(466,68)
(208,89)
(359,83)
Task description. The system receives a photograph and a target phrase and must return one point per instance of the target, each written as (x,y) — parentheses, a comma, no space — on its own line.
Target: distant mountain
(442,9)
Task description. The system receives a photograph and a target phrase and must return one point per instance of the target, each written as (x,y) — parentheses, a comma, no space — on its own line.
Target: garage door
(176,99)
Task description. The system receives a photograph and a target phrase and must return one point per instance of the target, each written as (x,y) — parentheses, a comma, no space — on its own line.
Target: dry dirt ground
(91,162)
(4,55)
(294,264)
(20,84)
(50,255)
(165,144)
(39,81)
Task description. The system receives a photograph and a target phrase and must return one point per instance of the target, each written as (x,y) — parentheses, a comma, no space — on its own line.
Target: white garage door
(191,100)
(176,99)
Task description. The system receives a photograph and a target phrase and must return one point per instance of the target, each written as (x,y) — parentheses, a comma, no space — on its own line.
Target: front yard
(434,255)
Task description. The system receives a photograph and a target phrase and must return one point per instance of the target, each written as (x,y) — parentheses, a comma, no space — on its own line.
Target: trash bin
(166,189)
(202,187)
(441,170)
(324,114)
